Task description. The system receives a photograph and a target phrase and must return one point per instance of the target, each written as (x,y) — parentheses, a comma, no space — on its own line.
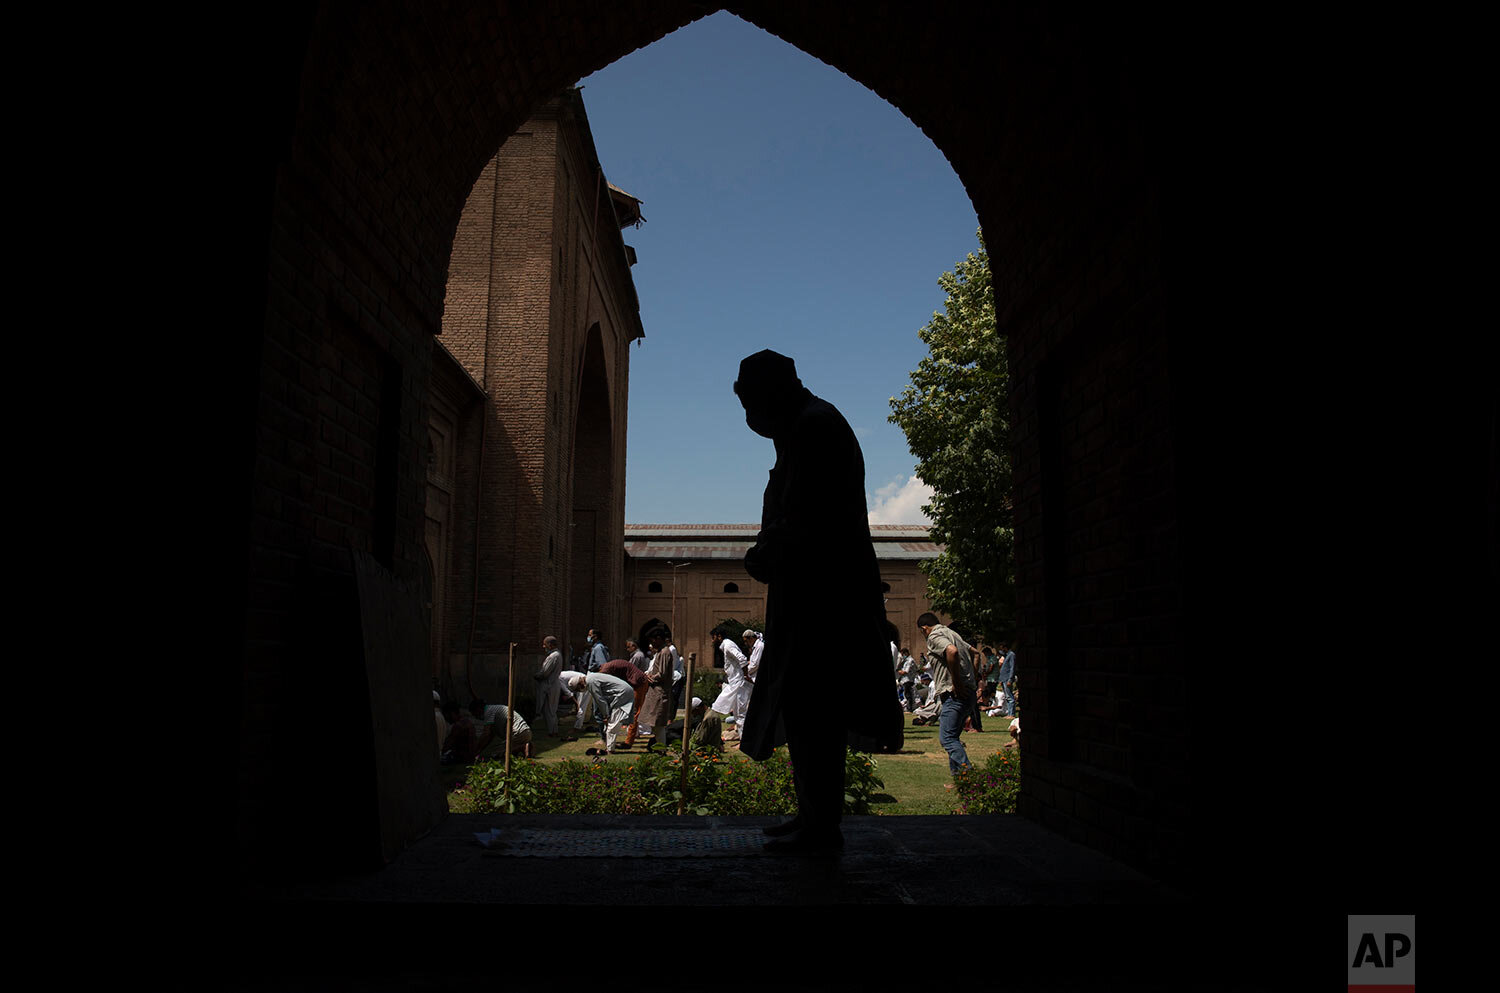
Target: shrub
(706,684)
(652,784)
(993,787)
(746,788)
(860,782)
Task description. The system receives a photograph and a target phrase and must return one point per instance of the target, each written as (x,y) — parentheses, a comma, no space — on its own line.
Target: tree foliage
(956,417)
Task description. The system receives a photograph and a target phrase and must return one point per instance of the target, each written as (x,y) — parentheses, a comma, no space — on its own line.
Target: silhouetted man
(815,555)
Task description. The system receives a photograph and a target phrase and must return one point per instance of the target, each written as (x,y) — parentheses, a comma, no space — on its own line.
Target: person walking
(954,682)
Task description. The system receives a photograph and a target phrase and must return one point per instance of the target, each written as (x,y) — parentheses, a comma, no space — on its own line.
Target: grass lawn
(914,777)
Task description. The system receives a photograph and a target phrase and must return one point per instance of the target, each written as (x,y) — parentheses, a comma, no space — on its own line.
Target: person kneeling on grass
(707,728)
(458,746)
(491,743)
(928,704)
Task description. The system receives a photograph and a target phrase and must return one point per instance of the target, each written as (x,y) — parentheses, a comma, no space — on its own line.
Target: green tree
(956,417)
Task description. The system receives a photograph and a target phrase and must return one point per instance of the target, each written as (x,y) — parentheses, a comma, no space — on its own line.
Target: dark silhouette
(825,677)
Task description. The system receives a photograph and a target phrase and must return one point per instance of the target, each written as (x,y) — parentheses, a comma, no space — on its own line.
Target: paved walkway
(992,902)
(692,861)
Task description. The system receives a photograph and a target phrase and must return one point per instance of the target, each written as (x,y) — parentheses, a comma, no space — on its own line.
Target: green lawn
(914,777)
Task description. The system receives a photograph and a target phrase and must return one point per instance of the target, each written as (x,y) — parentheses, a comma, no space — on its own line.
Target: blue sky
(787,207)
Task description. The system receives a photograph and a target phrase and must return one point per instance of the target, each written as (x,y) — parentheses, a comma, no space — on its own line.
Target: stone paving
(900,861)
(553,899)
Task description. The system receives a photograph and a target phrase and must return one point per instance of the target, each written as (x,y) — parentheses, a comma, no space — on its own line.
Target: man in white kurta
(583,701)
(614,702)
(757,643)
(736,693)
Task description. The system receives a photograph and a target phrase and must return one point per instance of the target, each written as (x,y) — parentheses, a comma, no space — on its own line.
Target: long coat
(825,611)
(657,708)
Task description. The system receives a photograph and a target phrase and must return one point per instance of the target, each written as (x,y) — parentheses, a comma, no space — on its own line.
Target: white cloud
(900,502)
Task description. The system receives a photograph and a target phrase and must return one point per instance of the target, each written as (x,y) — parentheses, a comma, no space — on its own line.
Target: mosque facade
(693,576)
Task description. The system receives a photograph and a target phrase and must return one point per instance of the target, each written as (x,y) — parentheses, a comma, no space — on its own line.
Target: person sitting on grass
(491,741)
(928,704)
(458,747)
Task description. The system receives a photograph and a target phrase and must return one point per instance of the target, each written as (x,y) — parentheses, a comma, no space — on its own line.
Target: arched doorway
(378,120)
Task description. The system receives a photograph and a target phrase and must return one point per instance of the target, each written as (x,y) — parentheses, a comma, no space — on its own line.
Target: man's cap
(767,369)
(697,702)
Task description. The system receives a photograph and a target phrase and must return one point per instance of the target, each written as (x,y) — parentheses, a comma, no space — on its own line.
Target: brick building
(696,573)
(530,376)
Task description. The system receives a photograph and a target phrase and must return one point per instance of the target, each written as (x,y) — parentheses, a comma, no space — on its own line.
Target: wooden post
(687,718)
(510,707)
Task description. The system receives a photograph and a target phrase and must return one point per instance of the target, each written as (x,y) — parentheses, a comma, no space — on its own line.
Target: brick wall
(702,601)
(537,311)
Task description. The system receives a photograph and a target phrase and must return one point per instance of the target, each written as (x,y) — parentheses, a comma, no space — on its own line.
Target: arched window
(654,588)
(731,587)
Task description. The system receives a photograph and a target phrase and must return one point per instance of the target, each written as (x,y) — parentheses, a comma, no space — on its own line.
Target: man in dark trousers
(815,555)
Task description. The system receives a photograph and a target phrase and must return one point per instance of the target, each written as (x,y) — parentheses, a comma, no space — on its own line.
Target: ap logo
(1383,954)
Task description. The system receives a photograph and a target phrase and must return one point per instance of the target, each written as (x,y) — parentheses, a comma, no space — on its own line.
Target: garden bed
(563,780)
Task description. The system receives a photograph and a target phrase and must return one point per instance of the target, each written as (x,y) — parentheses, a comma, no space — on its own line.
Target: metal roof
(880,532)
(731,541)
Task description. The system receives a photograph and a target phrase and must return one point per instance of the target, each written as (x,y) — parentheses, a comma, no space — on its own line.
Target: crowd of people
(953,685)
(956,686)
(624,699)
(995,677)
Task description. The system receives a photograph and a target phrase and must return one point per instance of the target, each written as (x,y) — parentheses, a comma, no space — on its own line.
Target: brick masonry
(540,310)
(377,121)
(715,585)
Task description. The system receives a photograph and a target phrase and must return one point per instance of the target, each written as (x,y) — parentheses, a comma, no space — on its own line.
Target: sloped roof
(627,206)
(731,541)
